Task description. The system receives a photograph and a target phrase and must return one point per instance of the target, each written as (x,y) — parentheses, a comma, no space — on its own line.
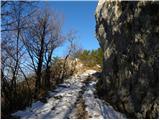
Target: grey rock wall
(128,33)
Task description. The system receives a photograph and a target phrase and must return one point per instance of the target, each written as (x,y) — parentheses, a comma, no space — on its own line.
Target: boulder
(128,33)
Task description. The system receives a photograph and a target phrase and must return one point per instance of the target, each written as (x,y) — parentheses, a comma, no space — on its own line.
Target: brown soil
(80,110)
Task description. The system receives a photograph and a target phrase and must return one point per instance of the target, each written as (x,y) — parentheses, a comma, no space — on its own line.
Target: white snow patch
(89,72)
(97,108)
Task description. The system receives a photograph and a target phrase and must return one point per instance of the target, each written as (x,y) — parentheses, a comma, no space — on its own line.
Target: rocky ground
(74,99)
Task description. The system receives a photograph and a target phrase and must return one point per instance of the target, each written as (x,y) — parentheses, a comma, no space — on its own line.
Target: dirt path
(73,99)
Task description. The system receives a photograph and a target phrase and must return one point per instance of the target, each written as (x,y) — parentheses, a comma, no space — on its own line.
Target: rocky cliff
(128,33)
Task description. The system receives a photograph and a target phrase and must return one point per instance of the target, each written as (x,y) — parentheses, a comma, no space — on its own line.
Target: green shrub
(91,58)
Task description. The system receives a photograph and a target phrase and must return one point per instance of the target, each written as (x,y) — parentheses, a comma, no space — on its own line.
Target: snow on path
(61,102)
(97,108)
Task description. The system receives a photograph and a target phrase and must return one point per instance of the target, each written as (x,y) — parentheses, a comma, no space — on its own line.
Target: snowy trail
(98,108)
(62,101)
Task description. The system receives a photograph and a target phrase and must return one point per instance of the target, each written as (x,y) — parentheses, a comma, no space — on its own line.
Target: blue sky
(78,16)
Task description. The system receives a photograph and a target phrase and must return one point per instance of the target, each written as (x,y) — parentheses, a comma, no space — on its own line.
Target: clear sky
(78,16)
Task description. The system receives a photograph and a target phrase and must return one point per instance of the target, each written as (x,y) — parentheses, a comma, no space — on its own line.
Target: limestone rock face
(128,33)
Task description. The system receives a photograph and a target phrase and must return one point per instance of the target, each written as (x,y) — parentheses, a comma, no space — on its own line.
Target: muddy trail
(74,99)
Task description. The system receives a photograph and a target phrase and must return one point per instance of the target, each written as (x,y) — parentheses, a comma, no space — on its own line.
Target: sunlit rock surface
(128,33)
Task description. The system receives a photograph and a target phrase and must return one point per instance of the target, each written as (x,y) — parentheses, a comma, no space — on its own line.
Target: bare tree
(12,24)
(12,50)
(40,39)
(14,16)
(70,37)
(10,10)
(54,41)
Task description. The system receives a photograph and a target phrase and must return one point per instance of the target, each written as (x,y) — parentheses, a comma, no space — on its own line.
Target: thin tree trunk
(39,69)
(47,78)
